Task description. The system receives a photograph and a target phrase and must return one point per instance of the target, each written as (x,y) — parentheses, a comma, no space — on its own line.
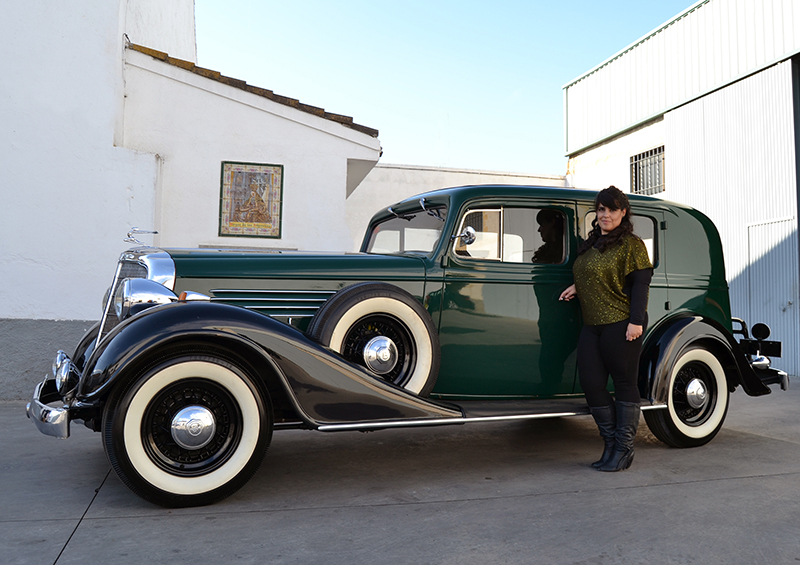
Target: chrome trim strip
(280,314)
(109,303)
(262,291)
(279,311)
(288,300)
(448,421)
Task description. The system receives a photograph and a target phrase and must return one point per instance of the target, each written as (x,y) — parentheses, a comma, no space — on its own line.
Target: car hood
(245,263)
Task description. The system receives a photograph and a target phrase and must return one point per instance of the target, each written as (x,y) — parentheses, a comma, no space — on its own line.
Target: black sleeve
(637,286)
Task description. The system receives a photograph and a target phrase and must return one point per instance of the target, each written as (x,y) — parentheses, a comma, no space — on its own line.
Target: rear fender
(665,344)
(321,386)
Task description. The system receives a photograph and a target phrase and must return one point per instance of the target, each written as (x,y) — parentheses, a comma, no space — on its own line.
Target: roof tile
(263,92)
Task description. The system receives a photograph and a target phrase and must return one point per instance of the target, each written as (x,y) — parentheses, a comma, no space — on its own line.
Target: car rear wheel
(190,431)
(697,401)
(385,330)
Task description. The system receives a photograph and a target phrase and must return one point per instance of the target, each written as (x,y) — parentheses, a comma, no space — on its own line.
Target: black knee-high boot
(606,419)
(627,424)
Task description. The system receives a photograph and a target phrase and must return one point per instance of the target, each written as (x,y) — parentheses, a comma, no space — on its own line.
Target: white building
(103,131)
(704,110)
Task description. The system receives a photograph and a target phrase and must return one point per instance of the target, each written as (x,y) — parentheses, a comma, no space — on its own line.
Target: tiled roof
(236,83)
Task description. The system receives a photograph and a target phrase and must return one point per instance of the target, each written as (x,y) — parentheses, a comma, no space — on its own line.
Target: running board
(484,411)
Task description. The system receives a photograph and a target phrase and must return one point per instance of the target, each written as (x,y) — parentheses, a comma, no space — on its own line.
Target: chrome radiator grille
(125,270)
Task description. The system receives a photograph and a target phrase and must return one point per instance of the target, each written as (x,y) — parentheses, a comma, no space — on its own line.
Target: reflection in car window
(643,226)
(529,235)
(417,231)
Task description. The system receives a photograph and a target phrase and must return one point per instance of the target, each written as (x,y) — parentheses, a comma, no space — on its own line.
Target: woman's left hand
(633,332)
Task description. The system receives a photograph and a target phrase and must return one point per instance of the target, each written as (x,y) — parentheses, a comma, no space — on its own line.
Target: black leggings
(603,351)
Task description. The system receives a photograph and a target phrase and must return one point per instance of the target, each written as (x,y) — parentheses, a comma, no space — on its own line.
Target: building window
(647,172)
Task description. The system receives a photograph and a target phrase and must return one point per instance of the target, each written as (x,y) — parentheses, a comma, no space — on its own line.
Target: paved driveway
(478,494)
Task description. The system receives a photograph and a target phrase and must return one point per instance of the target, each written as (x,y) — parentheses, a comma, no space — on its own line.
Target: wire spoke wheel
(365,330)
(694,392)
(385,330)
(159,420)
(190,430)
(697,400)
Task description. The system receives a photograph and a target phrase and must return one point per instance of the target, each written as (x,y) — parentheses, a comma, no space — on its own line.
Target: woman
(612,280)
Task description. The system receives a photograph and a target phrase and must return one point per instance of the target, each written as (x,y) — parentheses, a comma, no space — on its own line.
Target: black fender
(666,342)
(322,387)
(85,346)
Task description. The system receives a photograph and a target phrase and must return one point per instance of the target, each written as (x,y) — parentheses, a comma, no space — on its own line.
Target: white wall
(387,184)
(166,26)
(610,163)
(194,124)
(741,172)
(69,196)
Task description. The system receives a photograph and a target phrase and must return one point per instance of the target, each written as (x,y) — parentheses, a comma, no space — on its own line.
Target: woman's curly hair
(614,199)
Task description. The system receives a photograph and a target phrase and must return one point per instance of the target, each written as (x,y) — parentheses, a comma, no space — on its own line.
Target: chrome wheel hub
(380,355)
(696,393)
(193,427)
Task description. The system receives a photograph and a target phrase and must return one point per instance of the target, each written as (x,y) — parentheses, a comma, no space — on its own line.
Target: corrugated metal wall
(731,154)
(711,44)
(773,284)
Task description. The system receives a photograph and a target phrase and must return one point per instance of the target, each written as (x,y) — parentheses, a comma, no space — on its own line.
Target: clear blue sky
(474,85)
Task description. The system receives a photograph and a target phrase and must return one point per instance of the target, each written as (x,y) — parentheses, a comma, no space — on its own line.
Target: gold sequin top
(600,278)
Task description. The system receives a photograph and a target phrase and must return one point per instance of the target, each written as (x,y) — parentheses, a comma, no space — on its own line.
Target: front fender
(666,343)
(323,388)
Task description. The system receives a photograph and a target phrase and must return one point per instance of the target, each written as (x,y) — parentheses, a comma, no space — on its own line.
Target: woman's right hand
(569,293)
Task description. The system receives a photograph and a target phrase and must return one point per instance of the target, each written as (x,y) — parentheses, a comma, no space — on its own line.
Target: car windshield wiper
(407,217)
(435,212)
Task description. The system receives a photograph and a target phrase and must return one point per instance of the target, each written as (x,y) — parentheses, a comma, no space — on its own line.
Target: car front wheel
(190,431)
(697,401)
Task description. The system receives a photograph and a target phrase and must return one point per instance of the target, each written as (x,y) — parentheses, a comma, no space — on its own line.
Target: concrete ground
(478,494)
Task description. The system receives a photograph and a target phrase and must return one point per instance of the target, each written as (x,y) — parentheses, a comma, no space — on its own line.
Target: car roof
(469,192)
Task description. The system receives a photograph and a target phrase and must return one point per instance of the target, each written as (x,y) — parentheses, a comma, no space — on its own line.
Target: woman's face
(609,219)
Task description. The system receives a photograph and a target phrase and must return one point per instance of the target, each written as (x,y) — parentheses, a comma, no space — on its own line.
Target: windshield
(417,231)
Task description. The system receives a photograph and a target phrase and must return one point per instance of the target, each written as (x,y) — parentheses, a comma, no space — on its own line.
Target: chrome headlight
(135,295)
(65,373)
(60,359)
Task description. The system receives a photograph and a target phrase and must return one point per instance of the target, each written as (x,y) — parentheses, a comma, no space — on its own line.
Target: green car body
(502,331)
(449,314)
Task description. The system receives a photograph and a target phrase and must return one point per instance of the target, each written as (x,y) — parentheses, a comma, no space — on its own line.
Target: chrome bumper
(49,420)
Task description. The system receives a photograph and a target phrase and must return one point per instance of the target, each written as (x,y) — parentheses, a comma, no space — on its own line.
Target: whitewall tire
(697,401)
(191,430)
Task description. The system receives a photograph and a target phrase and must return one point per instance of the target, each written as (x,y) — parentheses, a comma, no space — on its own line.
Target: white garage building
(704,111)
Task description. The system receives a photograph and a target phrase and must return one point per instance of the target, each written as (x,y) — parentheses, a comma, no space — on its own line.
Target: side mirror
(468,236)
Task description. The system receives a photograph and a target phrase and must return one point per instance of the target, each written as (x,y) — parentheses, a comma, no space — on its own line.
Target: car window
(514,235)
(643,226)
(417,231)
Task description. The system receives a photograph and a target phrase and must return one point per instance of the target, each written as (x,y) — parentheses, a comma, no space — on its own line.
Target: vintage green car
(448,315)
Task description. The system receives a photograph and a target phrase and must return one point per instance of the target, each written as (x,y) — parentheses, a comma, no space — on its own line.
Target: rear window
(643,226)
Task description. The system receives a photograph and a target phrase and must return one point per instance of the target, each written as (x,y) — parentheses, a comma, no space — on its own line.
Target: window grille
(647,172)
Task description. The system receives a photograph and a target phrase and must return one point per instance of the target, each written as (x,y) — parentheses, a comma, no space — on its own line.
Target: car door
(649,225)
(503,331)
